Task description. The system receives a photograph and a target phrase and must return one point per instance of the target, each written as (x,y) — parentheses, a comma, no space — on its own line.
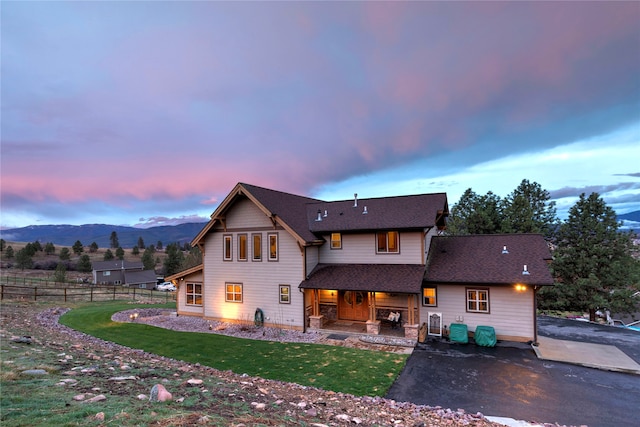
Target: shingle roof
(404,278)
(299,213)
(116,265)
(395,213)
(138,277)
(291,208)
(479,259)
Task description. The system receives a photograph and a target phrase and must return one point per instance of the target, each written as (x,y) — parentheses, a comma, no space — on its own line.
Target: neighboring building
(123,273)
(307,263)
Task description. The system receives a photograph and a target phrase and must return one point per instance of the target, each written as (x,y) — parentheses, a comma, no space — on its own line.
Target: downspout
(535,316)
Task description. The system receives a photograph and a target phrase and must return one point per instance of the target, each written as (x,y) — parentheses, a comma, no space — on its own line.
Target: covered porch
(364,299)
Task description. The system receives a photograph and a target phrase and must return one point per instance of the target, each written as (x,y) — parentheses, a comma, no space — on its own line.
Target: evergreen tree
(49,248)
(60,275)
(77,247)
(93,248)
(65,254)
(24,259)
(135,251)
(84,264)
(147,259)
(140,243)
(8,253)
(193,258)
(3,244)
(37,246)
(120,253)
(108,255)
(114,240)
(174,259)
(528,209)
(593,261)
(159,245)
(475,214)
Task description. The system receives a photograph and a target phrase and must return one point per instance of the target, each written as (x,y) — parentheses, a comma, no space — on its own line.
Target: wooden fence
(52,292)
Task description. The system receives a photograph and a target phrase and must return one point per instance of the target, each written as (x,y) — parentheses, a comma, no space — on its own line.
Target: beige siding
(260,280)
(361,249)
(511,312)
(182,307)
(312,258)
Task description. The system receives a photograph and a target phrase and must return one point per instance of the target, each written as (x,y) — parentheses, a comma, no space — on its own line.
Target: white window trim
(477,300)
(435,288)
(193,294)
(387,251)
(226,293)
(287,293)
(227,238)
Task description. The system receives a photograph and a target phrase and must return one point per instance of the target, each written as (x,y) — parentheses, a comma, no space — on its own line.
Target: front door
(353,305)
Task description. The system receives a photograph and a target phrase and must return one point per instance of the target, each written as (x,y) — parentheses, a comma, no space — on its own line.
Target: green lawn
(359,372)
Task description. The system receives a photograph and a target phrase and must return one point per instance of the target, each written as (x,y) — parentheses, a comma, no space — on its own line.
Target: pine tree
(593,260)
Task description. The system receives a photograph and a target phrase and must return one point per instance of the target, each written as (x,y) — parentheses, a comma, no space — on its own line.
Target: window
(285,292)
(429,297)
(107,273)
(226,250)
(242,247)
(273,247)
(336,241)
(478,300)
(388,242)
(257,247)
(234,292)
(194,294)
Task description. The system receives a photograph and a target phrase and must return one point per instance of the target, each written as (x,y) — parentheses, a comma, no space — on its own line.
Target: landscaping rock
(35,372)
(159,394)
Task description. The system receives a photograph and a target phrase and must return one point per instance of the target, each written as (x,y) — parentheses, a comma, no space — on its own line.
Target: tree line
(178,257)
(595,263)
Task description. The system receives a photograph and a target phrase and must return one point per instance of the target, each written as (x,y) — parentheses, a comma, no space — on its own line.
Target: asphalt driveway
(510,381)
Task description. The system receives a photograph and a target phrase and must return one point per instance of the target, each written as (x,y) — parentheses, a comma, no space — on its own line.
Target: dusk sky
(148,113)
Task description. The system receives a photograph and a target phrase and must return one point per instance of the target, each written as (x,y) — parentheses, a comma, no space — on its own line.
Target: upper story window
(257,247)
(226,248)
(273,246)
(388,242)
(242,247)
(429,296)
(336,241)
(478,300)
(107,273)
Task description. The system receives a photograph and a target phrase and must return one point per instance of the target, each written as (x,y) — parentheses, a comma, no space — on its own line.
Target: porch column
(373,325)
(316,321)
(411,327)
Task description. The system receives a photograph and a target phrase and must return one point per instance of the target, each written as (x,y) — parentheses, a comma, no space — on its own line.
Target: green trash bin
(485,336)
(458,332)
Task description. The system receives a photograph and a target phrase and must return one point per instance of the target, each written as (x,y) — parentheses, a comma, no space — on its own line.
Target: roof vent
(525,272)
(364,212)
(504,249)
(319,218)
(325,213)
(355,200)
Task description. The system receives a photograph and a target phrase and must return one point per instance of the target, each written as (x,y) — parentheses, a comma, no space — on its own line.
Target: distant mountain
(67,235)
(631,216)
(631,221)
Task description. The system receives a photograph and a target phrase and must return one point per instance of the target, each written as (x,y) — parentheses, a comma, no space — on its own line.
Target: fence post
(35,293)
(91,298)
(114,293)
(134,294)
(2,293)
(65,294)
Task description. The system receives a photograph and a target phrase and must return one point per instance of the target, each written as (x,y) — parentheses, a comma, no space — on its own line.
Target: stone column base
(316,322)
(373,327)
(411,331)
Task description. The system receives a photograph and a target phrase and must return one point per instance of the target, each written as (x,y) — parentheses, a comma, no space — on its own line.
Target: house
(303,263)
(124,273)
